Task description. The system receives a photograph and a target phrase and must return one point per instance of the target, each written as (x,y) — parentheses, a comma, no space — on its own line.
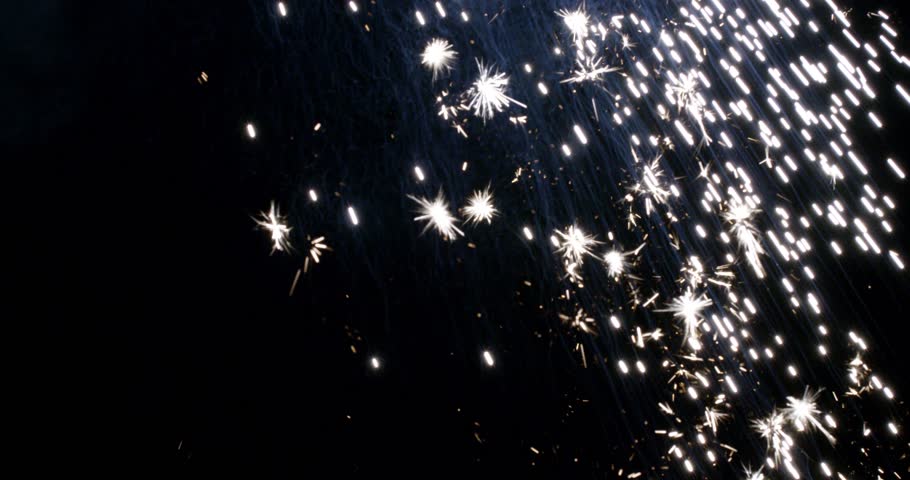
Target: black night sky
(169,346)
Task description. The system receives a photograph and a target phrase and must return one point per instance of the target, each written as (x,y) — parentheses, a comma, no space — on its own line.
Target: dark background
(169,346)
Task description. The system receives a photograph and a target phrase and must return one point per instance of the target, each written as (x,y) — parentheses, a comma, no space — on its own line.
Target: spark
(651,185)
(803,413)
(488,358)
(713,417)
(576,21)
(317,246)
(575,244)
(438,56)
(436,213)
(740,215)
(685,88)
(480,207)
(616,262)
(627,43)
(274,223)
(753,475)
(487,95)
(687,307)
(590,69)
(776,437)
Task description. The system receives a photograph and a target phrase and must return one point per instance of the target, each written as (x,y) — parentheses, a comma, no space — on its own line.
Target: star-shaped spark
(577,22)
(772,430)
(436,213)
(713,417)
(688,307)
(803,413)
(487,94)
(480,207)
(589,69)
(627,43)
(740,215)
(685,90)
(754,475)
(616,262)
(438,56)
(274,223)
(573,244)
(651,185)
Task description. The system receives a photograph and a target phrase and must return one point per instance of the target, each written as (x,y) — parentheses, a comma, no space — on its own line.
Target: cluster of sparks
(724,227)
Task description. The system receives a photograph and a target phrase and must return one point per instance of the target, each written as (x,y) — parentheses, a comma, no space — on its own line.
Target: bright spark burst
(627,43)
(591,69)
(438,56)
(685,90)
(274,223)
(574,244)
(487,95)
(651,185)
(772,429)
(688,307)
(740,215)
(616,262)
(480,207)
(713,417)
(577,22)
(754,475)
(804,413)
(436,213)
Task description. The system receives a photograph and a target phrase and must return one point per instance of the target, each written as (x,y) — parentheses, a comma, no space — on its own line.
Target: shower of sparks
(480,207)
(438,56)
(487,94)
(721,111)
(591,69)
(274,223)
(436,213)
